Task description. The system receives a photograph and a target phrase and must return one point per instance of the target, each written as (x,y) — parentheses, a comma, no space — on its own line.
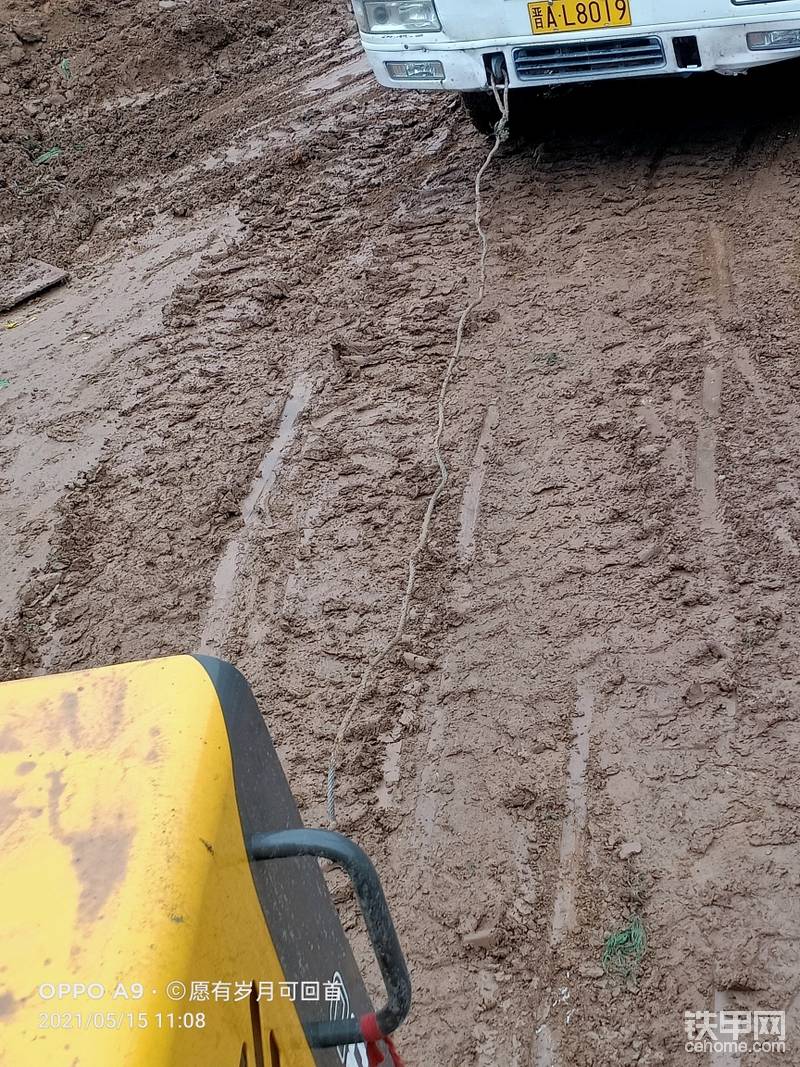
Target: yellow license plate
(572,16)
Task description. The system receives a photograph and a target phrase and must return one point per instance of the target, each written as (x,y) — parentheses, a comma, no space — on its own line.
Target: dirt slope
(268,257)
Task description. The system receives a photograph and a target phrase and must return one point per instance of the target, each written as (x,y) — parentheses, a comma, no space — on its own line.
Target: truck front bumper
(721,48)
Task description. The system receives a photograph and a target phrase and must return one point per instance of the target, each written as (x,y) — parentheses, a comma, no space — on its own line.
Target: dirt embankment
(268,256)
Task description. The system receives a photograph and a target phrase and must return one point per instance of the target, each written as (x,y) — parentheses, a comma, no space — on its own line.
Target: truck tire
(483,111)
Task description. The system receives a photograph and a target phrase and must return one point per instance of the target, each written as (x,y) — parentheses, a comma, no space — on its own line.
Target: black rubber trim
(371,899)
(297,907)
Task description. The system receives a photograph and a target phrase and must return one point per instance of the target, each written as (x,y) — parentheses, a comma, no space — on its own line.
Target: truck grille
(581,58)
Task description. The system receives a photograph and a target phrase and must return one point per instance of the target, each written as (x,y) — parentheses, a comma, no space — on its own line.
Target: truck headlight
(416,70)
(769,39)
(396,16)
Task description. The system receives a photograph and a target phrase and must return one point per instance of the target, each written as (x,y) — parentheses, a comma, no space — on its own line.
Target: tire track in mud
(218,613)
(564,999)
(768,400)
(68,346)
(706,469)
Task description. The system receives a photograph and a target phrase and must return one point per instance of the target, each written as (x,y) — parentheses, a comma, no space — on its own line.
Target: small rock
(28,33)
(483,937)
(167,5)
(648,554)
(694,695)
(715,649)
(772,583)
(519,795)
(419,663)
(591,970)
(701,840)
(5,88)
(616,679)
(628,849)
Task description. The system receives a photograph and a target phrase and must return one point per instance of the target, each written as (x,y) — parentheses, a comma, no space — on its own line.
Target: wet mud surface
(218,434)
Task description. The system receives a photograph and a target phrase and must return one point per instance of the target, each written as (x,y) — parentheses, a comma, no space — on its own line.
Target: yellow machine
(161,902)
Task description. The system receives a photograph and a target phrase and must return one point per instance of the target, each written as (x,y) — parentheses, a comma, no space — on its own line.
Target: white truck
(461,44)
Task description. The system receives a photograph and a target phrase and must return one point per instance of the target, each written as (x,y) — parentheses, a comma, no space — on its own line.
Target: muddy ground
(218,435)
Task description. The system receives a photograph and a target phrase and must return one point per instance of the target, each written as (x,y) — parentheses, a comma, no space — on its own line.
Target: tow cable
(500,89)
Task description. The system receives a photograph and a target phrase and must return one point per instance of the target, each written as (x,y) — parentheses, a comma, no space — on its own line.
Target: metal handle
(382,934)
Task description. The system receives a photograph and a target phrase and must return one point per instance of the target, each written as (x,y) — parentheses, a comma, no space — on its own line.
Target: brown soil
(268,254)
